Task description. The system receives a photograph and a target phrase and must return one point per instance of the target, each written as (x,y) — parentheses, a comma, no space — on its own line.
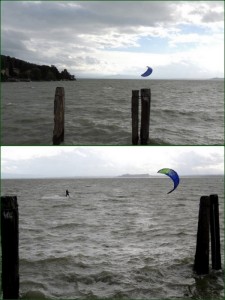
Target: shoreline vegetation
(17,70)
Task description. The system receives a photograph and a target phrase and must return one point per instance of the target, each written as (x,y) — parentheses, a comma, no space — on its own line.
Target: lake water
(98,112)
(120,238)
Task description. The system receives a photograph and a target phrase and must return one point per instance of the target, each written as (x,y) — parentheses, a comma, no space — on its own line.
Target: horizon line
(135,176)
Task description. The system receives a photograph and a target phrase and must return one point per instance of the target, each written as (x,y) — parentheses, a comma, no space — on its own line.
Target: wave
(33,294)
(159,141)
(53,197)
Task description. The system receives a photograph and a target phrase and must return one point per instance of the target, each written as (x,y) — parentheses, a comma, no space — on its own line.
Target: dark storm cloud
(12,43)
(213,16)
(92,16)
(132,13)
(65,21)
(46,25)
(82,16)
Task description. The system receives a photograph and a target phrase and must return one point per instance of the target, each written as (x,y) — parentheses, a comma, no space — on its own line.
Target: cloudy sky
(109,161)
(178,39)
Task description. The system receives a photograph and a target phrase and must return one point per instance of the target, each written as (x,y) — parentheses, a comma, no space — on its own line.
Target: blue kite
(173,175)
(147,73)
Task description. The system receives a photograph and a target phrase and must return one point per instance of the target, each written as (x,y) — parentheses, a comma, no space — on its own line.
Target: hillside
(13,69)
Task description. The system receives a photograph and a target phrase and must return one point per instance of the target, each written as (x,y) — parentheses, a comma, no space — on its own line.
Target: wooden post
(215,232)
(10,249)
(145,115)
(59,105)
(134,113)
(201,264)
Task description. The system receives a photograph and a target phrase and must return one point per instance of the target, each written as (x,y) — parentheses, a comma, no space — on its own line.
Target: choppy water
(98,112)
(113,238)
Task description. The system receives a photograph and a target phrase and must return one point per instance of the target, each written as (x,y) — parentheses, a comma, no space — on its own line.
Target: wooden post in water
(145,115)
(215,232)
(59,107)
(10,249)
(134,113)
(201,264)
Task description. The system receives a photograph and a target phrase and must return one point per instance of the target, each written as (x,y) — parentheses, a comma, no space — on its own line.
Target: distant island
(13,70)
(135,176)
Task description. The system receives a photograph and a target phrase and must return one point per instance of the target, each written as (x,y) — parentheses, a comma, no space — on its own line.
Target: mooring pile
(145,116)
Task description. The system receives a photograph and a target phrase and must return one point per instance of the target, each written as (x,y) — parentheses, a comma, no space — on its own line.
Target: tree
(65,75)
(35,74)
(10,66)
(50,76)
(55,71)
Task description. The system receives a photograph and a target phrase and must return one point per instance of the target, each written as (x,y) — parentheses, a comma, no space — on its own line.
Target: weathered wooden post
(215,232)
(145,115)
(10,247)
(201,264)
(135,113)
(59,107)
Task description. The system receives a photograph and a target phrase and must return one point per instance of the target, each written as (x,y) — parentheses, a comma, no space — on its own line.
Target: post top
(9,202)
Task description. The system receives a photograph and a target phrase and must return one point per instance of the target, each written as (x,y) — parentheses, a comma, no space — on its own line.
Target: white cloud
(110,161)
(27,152)
(203,13)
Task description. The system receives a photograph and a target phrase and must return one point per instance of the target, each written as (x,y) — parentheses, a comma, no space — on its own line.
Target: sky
(97,161)
(118,39)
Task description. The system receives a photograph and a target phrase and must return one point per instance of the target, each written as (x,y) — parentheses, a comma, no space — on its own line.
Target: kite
(147,73)
(173,175)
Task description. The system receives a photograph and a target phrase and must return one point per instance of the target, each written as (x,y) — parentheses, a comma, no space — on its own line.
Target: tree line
(17,69)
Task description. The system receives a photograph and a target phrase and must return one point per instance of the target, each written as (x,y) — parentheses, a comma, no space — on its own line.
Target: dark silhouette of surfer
(67,193)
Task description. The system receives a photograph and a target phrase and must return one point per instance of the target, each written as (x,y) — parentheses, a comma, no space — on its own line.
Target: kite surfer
(67,193)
